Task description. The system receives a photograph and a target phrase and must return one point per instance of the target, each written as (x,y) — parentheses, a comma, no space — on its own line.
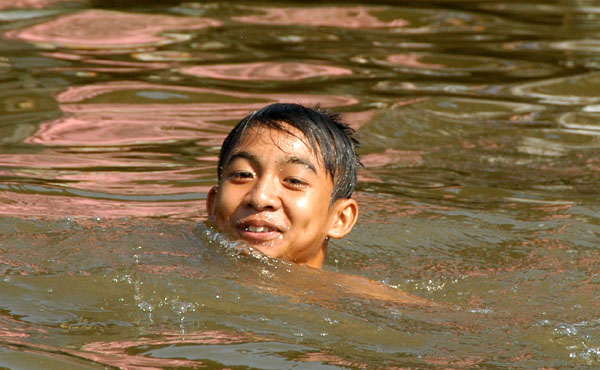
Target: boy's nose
(263,195)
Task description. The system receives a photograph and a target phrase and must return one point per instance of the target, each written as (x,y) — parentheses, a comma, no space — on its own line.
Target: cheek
(310,204)
(303,203)
(225,205)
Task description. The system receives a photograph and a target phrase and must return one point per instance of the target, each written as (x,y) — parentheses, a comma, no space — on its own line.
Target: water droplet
(267,273)
(564,330)
(145,306)
(330,321)
(396,312)
(482,310)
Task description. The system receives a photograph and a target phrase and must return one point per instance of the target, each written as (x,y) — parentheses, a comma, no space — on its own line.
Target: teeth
(258,229)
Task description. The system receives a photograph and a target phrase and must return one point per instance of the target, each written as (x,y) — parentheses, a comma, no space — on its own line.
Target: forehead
(287,140)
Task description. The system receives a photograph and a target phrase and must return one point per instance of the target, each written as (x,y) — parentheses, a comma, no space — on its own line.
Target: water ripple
(270,71)
(103,29)
(346,17)
(437,64)
(99,115)
(570,90)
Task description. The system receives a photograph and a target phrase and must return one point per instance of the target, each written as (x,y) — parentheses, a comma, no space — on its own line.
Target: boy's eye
(241,175)
(296,183)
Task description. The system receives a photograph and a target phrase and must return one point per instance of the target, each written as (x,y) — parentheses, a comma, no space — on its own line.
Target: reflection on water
(266,71)
(454,65)
(36,4)
(114,114)
(101,29)
(579,89)
(479,131)
(347,17)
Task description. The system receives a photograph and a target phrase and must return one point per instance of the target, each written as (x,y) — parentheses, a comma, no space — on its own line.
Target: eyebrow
(290,160)
(303,162)
(244,155)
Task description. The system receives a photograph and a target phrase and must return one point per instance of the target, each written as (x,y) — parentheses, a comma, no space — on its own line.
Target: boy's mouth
(258,231)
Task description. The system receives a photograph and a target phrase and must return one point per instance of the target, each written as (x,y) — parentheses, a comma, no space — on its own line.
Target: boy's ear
(345,213)
(211,202)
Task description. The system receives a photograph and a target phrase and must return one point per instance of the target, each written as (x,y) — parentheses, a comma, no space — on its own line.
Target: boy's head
(326,134)
(286,177)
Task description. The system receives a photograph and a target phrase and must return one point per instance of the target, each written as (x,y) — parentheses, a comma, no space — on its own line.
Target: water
(480,139)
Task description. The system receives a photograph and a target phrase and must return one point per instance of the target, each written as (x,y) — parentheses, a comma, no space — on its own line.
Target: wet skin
(275,194)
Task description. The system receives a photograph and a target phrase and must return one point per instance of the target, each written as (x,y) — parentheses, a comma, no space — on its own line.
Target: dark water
(480,131)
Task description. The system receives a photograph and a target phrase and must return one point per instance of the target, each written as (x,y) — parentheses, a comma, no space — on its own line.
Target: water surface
(479,124)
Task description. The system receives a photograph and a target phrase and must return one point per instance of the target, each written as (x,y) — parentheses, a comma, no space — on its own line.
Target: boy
(286,177)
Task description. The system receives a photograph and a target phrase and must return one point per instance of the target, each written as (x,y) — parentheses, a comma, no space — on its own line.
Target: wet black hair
(327,134)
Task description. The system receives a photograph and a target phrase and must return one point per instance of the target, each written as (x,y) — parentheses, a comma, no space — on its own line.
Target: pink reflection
(34,4)
(49,160)
(107,64)
(135,183)
(201,338)
(86,123)
(331,359)
(123,354)
(103,29)
(64,56)
(272,71)
(95,130)
(59,206)
(21,267)
(392,156)
(413,60)
(10,333)
(357,120)
(115,358)
(119,115)
(344,17)
(455,362)
(80,93)
(67,169)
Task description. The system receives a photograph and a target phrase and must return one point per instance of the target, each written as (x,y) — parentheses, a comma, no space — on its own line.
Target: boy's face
(275,194)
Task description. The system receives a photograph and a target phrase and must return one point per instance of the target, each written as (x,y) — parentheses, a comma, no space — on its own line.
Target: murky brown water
(480,130)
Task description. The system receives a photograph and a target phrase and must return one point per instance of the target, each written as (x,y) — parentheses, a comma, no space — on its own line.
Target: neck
(316,261)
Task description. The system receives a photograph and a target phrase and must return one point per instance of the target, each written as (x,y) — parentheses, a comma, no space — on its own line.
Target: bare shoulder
(309,284)
(371,289)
